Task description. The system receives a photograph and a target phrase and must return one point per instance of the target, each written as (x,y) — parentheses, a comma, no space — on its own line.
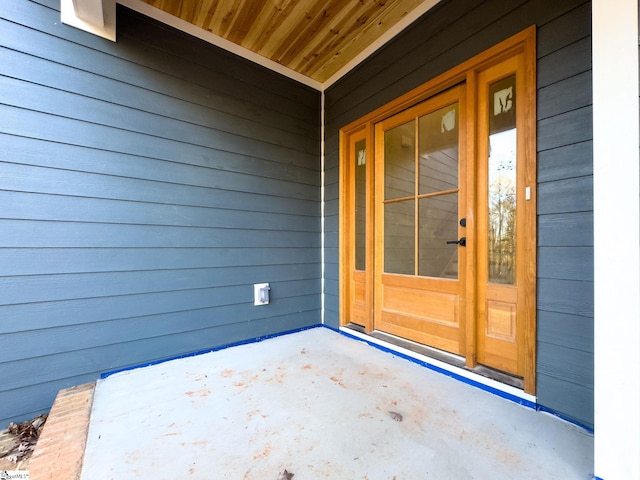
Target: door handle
(462,242)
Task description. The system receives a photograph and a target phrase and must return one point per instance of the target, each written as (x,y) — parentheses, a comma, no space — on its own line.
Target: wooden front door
(420,201)
(439,224)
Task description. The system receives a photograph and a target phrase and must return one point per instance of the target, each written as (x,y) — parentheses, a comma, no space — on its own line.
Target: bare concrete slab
(320,405)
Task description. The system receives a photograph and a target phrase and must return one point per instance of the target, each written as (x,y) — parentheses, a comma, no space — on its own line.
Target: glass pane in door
(399,197)
(399,237)
(438,149)
(360,156)
(437,188)
(438,223)
(400,161)
(502,181)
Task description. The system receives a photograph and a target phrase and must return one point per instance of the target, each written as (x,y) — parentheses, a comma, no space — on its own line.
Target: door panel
(422,310)
(438,223)
(499,328)
(360,308)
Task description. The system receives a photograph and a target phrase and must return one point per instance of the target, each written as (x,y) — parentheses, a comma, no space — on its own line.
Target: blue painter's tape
(482,386)
(461,378)
(208,350)
(487,388)
(542,408)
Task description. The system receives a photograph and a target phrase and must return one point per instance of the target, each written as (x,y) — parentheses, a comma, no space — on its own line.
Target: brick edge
(60,448)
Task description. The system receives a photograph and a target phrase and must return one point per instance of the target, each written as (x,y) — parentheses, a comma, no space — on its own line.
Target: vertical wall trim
(616,192)
(322,209)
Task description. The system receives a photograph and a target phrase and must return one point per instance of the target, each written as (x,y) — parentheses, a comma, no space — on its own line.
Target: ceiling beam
(93,16)
(90,11)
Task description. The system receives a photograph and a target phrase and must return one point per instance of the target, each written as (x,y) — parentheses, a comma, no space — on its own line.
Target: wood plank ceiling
(315,38)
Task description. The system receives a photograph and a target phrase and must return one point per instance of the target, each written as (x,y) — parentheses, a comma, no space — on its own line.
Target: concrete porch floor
(321,405)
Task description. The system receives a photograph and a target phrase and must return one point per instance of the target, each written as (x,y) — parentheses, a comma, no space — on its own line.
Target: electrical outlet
(261,293)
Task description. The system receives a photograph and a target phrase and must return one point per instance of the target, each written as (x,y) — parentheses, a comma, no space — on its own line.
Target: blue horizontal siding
(566,161)
(572,400)
(566,229)
(145,185)
(42,288)
(221,171)
(24,123)
(87,235)
(213,129)
(60,313)
(30,205)
(64,339)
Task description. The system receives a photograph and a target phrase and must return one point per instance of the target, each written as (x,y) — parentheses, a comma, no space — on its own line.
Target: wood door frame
(522,43)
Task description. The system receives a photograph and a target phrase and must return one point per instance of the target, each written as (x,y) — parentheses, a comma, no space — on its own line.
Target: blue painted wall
(449,34)
(145,185)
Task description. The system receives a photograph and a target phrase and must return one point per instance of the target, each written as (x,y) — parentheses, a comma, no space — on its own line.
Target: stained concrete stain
(203,392)
(265,452)
(337,380)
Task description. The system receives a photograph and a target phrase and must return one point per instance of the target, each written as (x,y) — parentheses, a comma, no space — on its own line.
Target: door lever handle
(462,242)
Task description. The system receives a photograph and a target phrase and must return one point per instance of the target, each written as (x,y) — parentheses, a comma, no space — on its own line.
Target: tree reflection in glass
(502,207)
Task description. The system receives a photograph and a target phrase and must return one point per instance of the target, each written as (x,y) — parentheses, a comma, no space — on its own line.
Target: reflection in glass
(438,134)
(438,213)
(399,237)
(399,161)
(360,157)
(399,182)
(502,182)
(438,223)
(431,189)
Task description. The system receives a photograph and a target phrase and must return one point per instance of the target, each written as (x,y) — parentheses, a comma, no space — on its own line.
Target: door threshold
(450,358)
(486,378)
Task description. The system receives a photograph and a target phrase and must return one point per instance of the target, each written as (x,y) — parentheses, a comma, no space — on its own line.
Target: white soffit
(157,14)
(93,16)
